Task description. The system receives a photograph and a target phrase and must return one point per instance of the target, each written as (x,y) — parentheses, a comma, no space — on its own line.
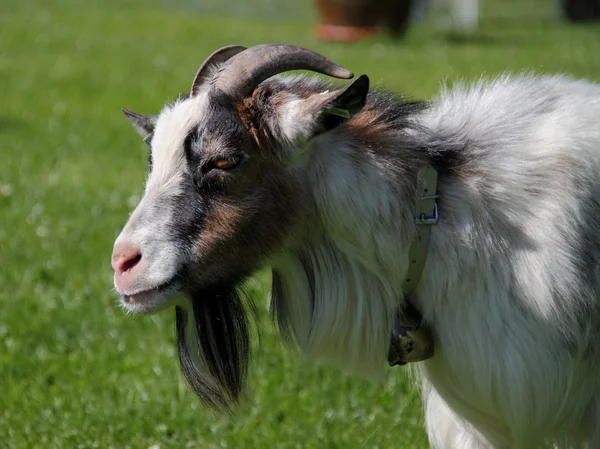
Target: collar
(410,340)
(426,214)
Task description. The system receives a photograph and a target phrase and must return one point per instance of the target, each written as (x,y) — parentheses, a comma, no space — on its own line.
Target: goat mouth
(153,299)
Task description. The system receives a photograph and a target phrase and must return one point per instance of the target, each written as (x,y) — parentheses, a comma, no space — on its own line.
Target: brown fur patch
(365,125)
(220,225)
(371,134)
(248,115)
(255,113)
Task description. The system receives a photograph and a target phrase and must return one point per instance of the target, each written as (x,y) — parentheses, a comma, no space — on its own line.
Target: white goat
(320,183)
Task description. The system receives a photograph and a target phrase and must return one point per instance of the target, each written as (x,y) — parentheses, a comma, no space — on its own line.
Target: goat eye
(226,164)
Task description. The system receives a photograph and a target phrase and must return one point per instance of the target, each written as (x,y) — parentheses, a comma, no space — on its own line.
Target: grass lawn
(75,371)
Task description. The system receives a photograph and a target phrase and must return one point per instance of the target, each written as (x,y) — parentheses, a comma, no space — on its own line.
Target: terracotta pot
(352,20)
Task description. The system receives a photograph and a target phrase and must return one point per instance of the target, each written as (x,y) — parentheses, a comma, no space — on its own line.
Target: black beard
(218,323)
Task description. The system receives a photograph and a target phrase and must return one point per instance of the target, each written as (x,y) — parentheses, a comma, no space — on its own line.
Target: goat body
(511,287)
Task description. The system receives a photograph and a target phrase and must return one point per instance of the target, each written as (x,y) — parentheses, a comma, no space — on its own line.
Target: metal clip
(429,197)
(423,220)
(411,340)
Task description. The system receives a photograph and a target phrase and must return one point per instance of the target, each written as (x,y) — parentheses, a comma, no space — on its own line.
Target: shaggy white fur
(511,285)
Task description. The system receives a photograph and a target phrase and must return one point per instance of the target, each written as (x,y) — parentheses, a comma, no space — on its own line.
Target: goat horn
(243,73)
(221,55)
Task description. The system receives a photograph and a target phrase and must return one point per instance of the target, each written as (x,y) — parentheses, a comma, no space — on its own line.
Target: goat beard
(213,346)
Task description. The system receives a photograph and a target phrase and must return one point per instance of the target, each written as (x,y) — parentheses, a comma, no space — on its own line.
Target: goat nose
(125,257)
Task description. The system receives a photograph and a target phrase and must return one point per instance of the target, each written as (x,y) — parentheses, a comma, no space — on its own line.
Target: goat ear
(144,124)
(343,104)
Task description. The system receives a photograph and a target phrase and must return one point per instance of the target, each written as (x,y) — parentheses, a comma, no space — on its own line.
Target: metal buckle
(423,220)
(411,340)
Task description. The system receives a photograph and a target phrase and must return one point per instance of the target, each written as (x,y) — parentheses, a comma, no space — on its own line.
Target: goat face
(219,197)
(215,204)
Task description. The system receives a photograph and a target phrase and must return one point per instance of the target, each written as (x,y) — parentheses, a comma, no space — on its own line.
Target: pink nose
(125,257)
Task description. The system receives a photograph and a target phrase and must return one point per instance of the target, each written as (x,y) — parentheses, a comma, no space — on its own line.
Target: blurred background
(75,371)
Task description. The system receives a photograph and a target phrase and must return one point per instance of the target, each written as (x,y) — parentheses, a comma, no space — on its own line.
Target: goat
(319,183)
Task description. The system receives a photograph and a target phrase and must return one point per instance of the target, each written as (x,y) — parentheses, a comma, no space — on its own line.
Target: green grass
(75,371)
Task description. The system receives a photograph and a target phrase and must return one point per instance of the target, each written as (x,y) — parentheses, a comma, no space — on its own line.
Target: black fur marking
(330,121)
(279,313)
(220,98)
(189,143)
(190,211)
(310,276)
(394,108)
(447,159)
(150,161)
(224,343)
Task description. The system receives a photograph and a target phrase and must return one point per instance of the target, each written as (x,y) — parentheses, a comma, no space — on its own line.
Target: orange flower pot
(355,20)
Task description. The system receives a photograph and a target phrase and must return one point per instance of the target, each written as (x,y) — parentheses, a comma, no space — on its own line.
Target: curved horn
(221,55)
(244,72)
